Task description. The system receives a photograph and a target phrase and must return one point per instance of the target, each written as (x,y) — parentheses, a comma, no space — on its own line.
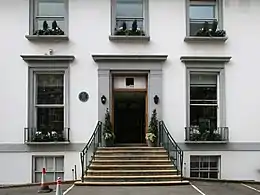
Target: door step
(131,162)
(132,167)
(132,157)
(130,172)
(140,183)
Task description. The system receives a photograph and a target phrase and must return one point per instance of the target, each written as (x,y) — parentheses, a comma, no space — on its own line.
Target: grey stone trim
(47,37)
(128,58)
(231,146)
(77,147)
(206,142)
(129,38)
(213,59)
(205,39)
(45,58)
(46,143)
(24,148)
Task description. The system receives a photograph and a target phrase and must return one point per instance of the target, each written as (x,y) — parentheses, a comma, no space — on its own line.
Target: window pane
(49,164)
(194,174)
(202,11)
(213,175)
(61,175)
(195,26)
(203,93)
(119,23)
(38,177)
(194,165)
(203,79)
(204,175)
(38,163)
(51,8)
(59,164)
(129,8)
(50,119)
(50,89)
(203,116)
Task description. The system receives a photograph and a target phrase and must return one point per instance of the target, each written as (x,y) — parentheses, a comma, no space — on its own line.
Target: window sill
(48,143)
(128,38)
(47,37)
(205,39)
(206,142)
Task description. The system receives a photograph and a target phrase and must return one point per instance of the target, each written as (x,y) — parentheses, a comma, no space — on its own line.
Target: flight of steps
(131,166)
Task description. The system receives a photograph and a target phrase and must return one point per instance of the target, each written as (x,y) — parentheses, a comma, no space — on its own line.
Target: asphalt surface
(30,190)
(197,188)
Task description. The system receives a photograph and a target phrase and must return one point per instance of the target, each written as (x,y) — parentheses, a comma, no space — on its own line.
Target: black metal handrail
(198,134)
(34,135)
(88,152)
(175,153)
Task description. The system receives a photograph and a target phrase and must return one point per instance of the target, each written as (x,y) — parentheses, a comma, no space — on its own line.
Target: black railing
(175,153)
(199,134)
(88,152)
(32,135)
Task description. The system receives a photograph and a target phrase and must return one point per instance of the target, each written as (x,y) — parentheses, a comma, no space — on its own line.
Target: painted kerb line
(198,190)
(250,187)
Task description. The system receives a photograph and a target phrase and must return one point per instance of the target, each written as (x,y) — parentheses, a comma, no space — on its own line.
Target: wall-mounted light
(103,99)
(156,99)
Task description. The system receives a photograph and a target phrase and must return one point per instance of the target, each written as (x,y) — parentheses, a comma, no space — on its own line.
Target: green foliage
(134,31)
(153,128)
(107,127)
(55,30)
(205,31)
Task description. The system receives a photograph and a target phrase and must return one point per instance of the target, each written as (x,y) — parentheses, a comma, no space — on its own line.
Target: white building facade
(203,86)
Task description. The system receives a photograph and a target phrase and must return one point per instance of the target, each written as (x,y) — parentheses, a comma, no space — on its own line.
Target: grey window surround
(191,39)
(32,37)
(54,171)
(46,63)
(145,38)
(206,64)
(129,57)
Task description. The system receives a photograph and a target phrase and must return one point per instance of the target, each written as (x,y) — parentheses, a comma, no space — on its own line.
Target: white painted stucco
(89,29)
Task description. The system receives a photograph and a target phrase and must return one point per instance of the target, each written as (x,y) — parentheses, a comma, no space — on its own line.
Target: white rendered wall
(234,165)
(89,28)
(16,168)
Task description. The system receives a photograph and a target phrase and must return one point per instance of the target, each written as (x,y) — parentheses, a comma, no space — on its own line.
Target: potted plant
(108,133)
(151,135)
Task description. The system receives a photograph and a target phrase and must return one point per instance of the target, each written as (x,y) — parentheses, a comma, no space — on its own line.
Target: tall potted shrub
(151,135)
(108,133)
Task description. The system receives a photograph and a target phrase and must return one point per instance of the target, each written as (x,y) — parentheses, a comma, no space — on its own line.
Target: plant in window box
(108,133)
(151,135)
(55,30)
(205,31)
(134,31)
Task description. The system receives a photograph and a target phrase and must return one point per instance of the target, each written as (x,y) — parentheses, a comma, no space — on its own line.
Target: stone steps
(131,165)
(131,162)
(130,172)
(140,183)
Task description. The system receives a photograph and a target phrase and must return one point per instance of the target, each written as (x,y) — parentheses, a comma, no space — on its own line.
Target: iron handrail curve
(173,142)
(85,149)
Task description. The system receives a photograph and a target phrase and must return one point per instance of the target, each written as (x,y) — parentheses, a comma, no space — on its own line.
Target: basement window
(205,167)
(129,82)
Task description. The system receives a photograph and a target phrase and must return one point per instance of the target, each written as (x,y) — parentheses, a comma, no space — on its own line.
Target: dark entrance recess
(129,117)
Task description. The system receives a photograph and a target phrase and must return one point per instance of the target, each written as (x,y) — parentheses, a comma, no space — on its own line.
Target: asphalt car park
(196,188)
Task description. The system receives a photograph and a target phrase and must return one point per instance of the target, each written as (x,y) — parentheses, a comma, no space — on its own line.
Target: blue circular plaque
(83,96)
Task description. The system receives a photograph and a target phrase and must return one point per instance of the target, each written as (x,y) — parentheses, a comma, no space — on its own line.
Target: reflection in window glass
(202,11)
(129,8)
(54,8)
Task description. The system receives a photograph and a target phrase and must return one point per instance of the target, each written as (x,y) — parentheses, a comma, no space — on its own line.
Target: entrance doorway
(129,116)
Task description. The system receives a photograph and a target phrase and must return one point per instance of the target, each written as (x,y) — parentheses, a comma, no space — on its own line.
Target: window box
(197,134)
(34,136)
(129,19)
(47,37)
(203,19)
(129,38)
(48,19)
